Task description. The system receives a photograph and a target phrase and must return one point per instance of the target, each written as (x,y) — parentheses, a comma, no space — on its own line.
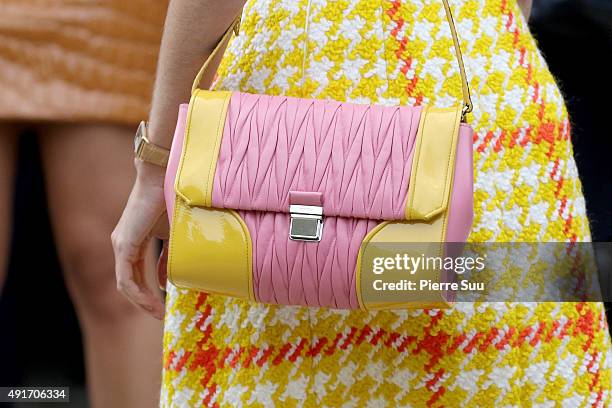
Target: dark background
(40,342)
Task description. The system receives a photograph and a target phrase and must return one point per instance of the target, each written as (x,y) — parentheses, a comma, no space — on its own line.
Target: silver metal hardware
(306,223)
(467,108)
(140,138)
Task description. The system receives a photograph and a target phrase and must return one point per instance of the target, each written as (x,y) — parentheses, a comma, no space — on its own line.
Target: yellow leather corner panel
(433,165)
(387,240)
(210,250)
(424,232)
(205,124)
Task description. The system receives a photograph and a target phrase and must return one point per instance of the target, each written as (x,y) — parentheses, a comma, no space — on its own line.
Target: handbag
(290,201)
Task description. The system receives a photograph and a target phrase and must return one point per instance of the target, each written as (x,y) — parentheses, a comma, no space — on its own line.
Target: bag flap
(260,152)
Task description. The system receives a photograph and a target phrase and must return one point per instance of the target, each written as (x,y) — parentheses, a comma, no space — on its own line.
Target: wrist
(159,134)
(148,173)
(146,150)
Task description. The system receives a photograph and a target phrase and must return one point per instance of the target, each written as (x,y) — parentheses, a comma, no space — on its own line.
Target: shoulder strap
(467,100)
(234,27)
(465,88)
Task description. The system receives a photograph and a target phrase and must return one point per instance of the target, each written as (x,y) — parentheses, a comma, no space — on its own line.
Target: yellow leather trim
(210,250)
(433,164)
(431,235)
(366,240)
(205,124)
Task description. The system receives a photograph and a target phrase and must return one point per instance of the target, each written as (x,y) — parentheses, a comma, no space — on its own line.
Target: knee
(88,265)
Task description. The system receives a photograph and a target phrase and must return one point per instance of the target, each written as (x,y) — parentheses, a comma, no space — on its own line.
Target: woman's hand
(192,29)
(144,218)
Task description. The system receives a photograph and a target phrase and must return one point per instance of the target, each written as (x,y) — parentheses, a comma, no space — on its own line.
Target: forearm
(525,6)
(192,29)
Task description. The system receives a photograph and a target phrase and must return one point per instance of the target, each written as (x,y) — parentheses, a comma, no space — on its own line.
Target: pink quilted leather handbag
(288,200)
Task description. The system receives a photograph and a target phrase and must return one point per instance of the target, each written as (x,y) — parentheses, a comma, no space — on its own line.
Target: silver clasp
(306,223)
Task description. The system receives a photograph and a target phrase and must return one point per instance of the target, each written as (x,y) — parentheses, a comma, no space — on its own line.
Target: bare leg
(8,158)
(89,173)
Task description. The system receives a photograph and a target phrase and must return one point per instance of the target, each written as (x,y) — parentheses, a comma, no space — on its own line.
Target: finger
(145,278)
(162,267)
(146,273)
(130,238)
(136,291)
(161,229)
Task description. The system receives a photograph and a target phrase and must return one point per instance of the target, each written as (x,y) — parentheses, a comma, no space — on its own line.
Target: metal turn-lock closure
(306,223)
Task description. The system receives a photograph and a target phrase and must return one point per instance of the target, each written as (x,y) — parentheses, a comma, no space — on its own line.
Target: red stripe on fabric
(436,396)
(559,187)
(169,358)
(182,361)
(251,356)
(523,336)
(506,339)
(509,21)
(536,92)
(202,296)
(527,137)
(262,360)
(332,347)
(205,359)
(432,382)
(317,347)
(349,338)
(391,339)
(499,143)
(298,351)
(210,394)
(514,138)
(377,336)
(473,342)
(364,333)
(457,342)
(489,339)
(236,358)
(431,345)
(405,343)
(282,353)
(536,338)
(599,398)
(555,325)
(485,142)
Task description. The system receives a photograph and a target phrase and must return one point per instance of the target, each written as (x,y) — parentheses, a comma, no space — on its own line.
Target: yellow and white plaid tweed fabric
(231,353)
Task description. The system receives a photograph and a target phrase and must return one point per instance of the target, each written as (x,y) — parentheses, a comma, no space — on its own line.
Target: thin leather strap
(465,88)
(467,100)
(234,27)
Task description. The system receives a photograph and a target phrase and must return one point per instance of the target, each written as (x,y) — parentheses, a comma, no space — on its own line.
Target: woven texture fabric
(229,353)
(72,60)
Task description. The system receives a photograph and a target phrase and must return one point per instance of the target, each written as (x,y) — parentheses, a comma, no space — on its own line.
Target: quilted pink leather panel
(358,156)
(290,272)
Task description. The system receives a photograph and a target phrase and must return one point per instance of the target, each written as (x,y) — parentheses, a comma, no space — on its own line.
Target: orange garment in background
(78,60)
